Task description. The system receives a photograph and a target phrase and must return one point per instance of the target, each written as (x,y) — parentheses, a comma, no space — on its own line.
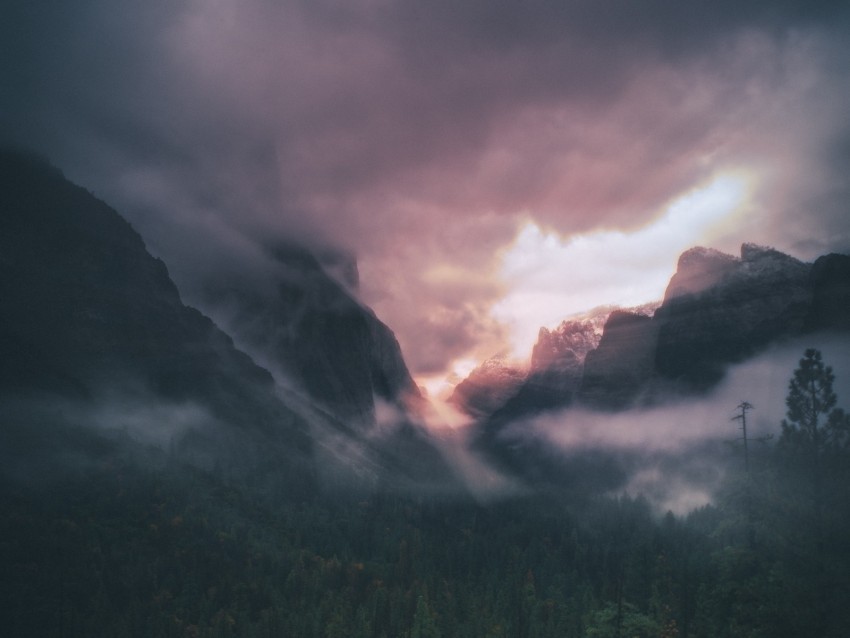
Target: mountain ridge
(718,310)
(92,323)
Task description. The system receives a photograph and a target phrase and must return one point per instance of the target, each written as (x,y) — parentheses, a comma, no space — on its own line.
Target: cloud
(676,453)
(550,278)
(423,136)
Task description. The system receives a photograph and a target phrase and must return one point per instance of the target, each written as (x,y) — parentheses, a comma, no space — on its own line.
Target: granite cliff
(92,323)
(718,310)
(311,331)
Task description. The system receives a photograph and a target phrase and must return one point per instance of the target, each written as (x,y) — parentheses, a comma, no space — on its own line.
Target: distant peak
(622,317)
(499,361)
(754,252)
(699,268)
(700,256)
(566,345)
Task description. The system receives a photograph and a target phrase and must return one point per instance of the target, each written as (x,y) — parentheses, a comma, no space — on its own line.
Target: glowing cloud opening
(440,386)
(550,278)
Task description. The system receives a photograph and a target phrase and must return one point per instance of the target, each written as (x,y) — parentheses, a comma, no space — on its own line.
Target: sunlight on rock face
(550,277)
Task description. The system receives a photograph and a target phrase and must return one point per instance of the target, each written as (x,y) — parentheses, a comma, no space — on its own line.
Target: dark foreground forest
(100,538)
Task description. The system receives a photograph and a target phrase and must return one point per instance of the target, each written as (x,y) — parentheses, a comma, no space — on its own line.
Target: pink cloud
(422,136)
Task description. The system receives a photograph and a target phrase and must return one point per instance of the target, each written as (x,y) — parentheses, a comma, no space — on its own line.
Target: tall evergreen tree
(810,400)
(815,434)
(814,451)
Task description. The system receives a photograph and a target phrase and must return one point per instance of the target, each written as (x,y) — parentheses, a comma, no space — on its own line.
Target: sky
(495,166)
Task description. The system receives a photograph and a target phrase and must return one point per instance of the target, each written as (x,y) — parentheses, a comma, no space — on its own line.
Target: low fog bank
(676,453)
(452,432)
(684,422)
(46,440)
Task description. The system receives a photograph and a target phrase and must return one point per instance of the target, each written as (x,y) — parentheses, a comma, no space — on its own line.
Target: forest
(122,541)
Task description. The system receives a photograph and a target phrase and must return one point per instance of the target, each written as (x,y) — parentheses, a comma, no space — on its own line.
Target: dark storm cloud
(420,135)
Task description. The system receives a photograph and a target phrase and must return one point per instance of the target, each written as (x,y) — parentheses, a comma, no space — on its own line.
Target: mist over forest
(159,480)
(392,319)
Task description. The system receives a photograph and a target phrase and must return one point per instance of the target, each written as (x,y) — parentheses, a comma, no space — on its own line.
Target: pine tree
(814,451)
(815,434)
(424,625)
(810,399)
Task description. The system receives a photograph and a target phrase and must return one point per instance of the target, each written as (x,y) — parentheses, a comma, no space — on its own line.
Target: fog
(47,438)
(676,453)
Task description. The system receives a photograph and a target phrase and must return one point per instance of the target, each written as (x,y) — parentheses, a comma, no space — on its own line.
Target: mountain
(336,364)
(488,387)
(311,331)
(830,282)
(556,370)
(92,323)
(93,332)
(614,372)
(565,347)
(718,310)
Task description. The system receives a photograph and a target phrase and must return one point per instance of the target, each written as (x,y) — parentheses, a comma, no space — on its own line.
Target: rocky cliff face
(760,298)
(565,347)
(830,285)
(340,365)
(615,372)
(557,367)
(488,387)
(308,328)
(699,269)
(718,310)
(88,315)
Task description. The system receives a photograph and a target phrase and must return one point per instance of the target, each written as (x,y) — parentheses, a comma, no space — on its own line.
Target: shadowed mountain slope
(89,317)
(312,332)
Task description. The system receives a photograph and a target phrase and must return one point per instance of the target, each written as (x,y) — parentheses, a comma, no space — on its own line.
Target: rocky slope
(86,308)
(89,319)
(830,283)
(337,363)
(742,305)
(615,371)
(556,370)
(309,329)
(488,387)
(95,343)
(718,310)
(556,366)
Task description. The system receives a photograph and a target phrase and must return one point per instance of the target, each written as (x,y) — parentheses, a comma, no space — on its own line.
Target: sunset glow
(552,277)
(434,318)
(492,169)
